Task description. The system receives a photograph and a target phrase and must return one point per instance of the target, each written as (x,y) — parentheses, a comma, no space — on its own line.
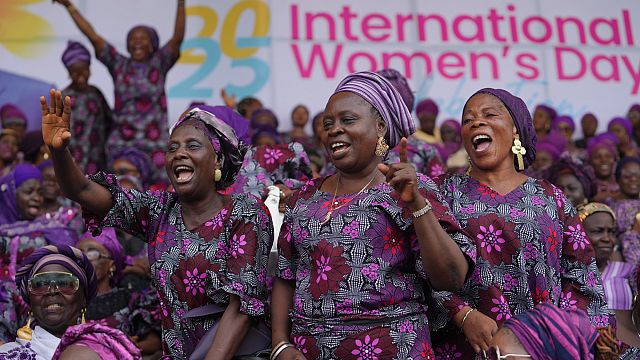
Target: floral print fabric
(195,267)
(360,286)
(140,109)
(626,211)
(531,249)
(422,155)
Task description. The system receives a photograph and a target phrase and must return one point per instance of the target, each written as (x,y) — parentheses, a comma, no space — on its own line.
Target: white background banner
(576,55)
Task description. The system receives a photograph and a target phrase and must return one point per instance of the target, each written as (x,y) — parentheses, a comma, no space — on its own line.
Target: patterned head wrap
(548,332)
(229,150)
(549,110)
(584,174)
(75,52)
(624,122)
(153,35)
(260,112)
(11,115)
(71,258)
(380,93)
(427,106)
(521,118)
(139,159)
(624,161)
(107,342)
(109,240)
(606,140)
(592,208)
(563,119)
(400,83)
(8,185)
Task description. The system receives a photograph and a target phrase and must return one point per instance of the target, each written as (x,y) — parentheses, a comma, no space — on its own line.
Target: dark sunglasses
(95,255)
(63,282)
(494,354)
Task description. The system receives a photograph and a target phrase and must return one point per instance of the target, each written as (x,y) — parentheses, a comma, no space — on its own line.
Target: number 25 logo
(241,49)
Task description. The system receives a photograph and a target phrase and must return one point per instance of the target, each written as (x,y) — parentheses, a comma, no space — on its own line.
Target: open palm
(55,120)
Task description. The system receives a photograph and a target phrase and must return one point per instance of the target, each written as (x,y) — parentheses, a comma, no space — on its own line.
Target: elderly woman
(603,155)
(354,249)
(57,282)
(530,243)
(20,194)
(206,251)
(95,341)
(140,110)
(627,208)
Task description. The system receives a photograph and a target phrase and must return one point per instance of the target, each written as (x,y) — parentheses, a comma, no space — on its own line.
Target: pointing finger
(52,101)
(403,150)
(43,104)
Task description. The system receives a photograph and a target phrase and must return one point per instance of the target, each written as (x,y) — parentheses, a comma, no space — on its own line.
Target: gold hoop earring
(518,150)
(25,332)
(381,147)
(217,175)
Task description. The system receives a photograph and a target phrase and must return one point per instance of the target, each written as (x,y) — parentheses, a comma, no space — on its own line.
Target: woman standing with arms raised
(204,249)
(140,109)
(357,249)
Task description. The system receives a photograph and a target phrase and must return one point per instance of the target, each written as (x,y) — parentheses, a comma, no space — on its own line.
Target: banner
(576,55)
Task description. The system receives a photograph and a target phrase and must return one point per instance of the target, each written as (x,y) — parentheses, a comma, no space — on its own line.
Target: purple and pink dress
(360,286)
(195,267)
(422,155)
(626,211)
(531,249)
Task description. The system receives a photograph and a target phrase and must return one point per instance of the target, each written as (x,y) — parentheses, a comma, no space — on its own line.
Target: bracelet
(279,349)
(427,207)
(464,318)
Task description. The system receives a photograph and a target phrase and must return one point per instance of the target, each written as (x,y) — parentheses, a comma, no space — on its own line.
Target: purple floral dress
(629,239)
(270,164)
(360,286)
(192,268)
(91,124)
(140,109)
(422,155)
(531,249)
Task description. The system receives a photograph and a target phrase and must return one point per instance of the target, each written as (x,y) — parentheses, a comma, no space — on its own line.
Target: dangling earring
(468,172)
(25,332)
(82,319)
(111,271)
(518,150)
(217,175)
(381,147)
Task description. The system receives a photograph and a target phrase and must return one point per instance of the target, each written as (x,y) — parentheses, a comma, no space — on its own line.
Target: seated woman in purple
(205,249)
(530,242)
(355,249)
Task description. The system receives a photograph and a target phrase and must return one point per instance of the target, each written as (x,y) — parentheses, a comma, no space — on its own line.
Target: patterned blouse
(626,211)
(531,248)
(422,155)
(360,286)
(192,268)
(91,124)
(140,109)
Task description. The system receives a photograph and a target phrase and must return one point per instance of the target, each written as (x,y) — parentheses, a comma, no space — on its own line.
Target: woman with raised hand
(140,110)
(356,250)
(530,242)
(206,251)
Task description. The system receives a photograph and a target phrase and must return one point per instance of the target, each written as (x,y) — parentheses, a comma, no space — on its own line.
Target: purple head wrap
(380,93)
(74,53)
(400,83)
(231,151)
(624,122)
(109,240)
(265,131)
(139,159)
(10,115)
(238,123)
(521,118)
(8,185)
(427,106)
(553,144)
(260,112)
(548,333)
(73,259)
(549,110)
(567,165)
(563,119)
(634,107)
(454,124)
(31,143)
(107,342)
(606,140)
(153,35)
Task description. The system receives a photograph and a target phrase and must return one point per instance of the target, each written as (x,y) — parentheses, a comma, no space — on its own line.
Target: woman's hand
(291,353)
(55,121)
(229,101)
(64,3)
(403,179)
(479,330)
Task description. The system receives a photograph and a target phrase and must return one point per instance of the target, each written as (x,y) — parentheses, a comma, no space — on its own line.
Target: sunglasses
(95,255)
(494,354)
(63,282)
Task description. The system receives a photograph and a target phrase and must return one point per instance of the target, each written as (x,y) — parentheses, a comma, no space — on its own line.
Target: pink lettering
(400,20)
(450,61)
(346,16)
(627,27)
(406,62)
(611,24)
(527,31)
(317,54)
(351,63)
(635,74)
(560,22)
(560,63)
(310,19)
(495,19)
(475,59)
(422,27)
(374,22)
(527,61)
(294,22)
(476,21)
(612,63)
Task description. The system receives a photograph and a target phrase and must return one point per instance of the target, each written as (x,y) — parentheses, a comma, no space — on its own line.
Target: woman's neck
(104,287)
(197,212)
(297,131)
(503,179)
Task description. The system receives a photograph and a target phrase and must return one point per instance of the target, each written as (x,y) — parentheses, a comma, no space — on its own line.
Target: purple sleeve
(166,58)
(111,58)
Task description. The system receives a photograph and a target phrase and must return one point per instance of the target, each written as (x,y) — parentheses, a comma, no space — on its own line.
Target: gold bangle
(427,207)
(464,318)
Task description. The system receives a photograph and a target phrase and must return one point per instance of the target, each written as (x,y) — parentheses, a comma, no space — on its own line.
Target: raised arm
(56,135)
(178,31)
(96,40)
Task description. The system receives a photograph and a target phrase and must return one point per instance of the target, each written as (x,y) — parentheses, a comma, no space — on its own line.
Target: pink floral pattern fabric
(360,286)
(422,155)
(195,267)
(531,249)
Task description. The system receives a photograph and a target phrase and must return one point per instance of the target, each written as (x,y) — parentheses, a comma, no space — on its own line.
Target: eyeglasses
(95,255)
(63,282)
(494,354)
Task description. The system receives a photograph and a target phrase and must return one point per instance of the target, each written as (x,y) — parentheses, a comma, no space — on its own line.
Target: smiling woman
(205,250)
